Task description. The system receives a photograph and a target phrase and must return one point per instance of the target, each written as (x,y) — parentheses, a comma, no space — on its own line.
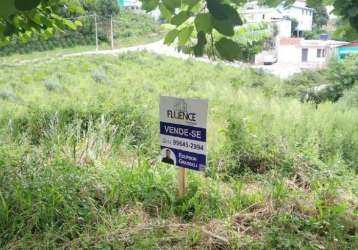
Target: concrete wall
(292,54)
(304,16)
(289,54)
(312,56)
(284,28)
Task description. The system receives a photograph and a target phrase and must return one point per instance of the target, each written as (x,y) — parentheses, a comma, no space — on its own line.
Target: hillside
(79,160)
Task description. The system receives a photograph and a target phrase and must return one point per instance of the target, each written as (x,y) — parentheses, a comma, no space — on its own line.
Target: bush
(350,98)
(343,74)
(52,84)
(325,84)
(7,95)
(259,139)
(99,76)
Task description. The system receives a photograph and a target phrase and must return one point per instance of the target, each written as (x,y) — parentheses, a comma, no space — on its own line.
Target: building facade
(302,14)
(281,16)
(348,49)
(129,4)
(307,53)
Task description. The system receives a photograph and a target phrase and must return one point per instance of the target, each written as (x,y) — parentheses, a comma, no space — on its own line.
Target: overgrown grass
(79,160)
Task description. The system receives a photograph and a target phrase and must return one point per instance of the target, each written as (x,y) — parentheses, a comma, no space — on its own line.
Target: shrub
(267,133)
(325,84)
(7,95)
(53,84)
(350,98)
(343,74)
(100,76)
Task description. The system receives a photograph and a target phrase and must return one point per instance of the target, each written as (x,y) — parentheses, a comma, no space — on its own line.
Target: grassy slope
(130,29)
(78,160)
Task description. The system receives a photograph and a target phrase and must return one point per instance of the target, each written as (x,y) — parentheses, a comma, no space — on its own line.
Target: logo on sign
(180,112)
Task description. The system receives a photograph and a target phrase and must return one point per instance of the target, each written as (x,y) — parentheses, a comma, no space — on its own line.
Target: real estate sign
(183,125)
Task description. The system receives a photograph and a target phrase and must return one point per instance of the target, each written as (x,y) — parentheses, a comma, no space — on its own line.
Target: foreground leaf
(170,37)
(227,49)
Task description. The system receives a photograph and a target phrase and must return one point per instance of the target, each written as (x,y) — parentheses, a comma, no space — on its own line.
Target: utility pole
(112,42)
(96,28)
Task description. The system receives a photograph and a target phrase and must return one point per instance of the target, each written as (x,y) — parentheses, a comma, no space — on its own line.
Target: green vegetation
(79,166)
(129,29)
(329,83)
(250,37)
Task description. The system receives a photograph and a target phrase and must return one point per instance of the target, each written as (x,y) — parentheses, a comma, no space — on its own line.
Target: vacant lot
(79,167)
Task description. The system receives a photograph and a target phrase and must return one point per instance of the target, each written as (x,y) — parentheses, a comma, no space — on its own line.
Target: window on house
(321,53)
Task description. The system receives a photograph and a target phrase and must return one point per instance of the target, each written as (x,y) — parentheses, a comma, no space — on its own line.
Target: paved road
(283,71)
(280,70)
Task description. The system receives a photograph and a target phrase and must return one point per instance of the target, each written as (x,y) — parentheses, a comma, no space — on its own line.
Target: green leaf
(191,2)
(180,18)
(149,5)
(41,19)
(9,29)
(170,37)
(78,23)
(46,34)
(227,49)
(5,41)
(24,5)
(167,14)
(172,4)
(184,34)
(7,8)
(25,37)
(200,46)
(224,27)
(216,9)
(69,24)
(224,12)
(203,22)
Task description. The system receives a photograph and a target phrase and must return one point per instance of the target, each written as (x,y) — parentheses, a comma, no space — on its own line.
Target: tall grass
(79,160)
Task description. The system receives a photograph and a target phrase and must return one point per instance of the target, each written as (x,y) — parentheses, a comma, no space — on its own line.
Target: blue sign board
(183,125)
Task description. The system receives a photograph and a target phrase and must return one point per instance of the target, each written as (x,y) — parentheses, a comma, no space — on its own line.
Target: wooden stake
(182,182)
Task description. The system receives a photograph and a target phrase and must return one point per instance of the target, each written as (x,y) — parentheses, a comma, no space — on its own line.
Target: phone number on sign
(187,144)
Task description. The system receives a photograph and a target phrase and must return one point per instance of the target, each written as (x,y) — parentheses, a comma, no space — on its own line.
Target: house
(129,4)
(136,6)
(347,49)
(307,53)
(255,13)
(301,13)
(281,16)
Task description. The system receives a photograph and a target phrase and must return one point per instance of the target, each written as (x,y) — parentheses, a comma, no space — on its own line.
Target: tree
(213,21)
(107,7)
(344,31)
(320,17)
(347,9)
(22,18)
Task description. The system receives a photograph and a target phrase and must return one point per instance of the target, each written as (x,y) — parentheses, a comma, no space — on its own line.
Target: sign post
(183,125)
(182,181)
